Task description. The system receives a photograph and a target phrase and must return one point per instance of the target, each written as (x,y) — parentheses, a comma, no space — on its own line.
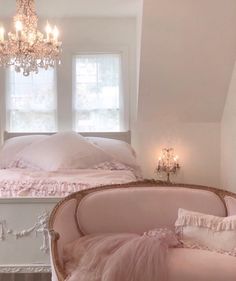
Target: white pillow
(10,149)
(231,205)
(207,231)
(118,150)
(66,150)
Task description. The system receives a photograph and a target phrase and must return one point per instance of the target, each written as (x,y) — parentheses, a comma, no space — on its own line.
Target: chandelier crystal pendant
(28,49)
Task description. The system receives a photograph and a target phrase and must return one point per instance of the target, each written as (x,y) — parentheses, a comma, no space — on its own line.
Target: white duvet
(30,183)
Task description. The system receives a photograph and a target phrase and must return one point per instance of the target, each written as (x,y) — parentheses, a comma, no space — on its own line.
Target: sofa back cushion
(138,209)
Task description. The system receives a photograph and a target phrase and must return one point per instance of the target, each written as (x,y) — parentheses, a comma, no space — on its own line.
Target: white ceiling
(75,8)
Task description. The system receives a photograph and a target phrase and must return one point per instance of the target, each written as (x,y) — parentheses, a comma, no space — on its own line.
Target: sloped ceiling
(188,53)
(74,8)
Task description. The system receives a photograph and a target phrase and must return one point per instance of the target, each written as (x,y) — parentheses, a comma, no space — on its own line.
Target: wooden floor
(25,277)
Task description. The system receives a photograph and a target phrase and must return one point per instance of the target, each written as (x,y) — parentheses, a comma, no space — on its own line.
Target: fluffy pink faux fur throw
(116,257)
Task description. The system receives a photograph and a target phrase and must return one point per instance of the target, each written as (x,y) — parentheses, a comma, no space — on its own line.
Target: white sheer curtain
(98,93)
(31,101)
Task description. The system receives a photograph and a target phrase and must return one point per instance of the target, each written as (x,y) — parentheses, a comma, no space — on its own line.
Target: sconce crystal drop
(168,163)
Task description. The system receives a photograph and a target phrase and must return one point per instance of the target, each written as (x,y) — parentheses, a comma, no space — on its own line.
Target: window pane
(31,101)
(36,121)
(97,93)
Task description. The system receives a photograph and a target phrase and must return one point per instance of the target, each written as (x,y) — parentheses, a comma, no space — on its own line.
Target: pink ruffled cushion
(231,205)
(197,230)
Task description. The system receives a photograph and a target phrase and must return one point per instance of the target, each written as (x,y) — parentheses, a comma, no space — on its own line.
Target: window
(31,101)
(97,93)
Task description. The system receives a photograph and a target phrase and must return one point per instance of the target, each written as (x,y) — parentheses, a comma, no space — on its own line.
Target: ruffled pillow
(231,205)
(197,230)
(62,151)
(12,147)
(120,152)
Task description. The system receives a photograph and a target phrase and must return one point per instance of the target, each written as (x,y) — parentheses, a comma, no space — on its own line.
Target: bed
(30,189)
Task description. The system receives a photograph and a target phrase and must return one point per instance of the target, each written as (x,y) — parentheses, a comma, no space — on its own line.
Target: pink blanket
(31,183)
(120,257)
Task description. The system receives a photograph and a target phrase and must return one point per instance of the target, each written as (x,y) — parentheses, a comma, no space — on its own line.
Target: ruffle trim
(39,188)
(115,165)
(215,224)
(191,245)
(107,165)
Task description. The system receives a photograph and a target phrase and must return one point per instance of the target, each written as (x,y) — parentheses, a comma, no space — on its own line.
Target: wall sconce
(168,163)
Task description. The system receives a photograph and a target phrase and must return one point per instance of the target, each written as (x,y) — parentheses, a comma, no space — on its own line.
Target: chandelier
(27,49)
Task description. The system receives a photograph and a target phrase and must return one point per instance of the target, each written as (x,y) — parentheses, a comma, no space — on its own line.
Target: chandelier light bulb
(55,33)
(18,25)
(176,158)
(2,32)
(48,28)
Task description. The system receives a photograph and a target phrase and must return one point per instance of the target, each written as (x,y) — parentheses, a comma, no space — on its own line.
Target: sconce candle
(168,163)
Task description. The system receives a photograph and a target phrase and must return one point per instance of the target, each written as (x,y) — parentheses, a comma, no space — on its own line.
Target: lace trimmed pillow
(197,230)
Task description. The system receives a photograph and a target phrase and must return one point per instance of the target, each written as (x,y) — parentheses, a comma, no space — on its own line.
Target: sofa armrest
(63,229)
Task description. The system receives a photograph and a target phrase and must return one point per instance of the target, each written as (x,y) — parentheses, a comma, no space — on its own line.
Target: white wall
(228,138)
(197,145)
(187,54)
(92,35)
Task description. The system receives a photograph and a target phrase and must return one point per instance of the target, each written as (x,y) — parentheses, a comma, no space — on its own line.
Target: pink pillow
(197,230)
(67,150)
(119,150)
(231,205)
(10,149)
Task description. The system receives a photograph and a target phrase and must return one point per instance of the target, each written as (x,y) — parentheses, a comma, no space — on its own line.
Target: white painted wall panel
(187,56)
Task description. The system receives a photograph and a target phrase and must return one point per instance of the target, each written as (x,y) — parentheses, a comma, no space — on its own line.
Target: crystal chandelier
(27,49)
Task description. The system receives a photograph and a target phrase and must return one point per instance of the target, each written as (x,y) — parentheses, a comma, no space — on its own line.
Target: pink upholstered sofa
(136,208)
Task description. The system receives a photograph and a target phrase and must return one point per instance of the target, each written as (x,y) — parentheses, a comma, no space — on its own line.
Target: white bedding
(30,183)
(66,162)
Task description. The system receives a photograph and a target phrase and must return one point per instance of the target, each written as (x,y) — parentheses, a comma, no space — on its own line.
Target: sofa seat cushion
(200,265)
(122,255)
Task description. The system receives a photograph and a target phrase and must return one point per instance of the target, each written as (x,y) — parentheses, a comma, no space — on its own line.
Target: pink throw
(116,257)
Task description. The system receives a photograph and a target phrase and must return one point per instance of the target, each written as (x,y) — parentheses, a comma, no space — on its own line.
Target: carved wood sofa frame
(81,194)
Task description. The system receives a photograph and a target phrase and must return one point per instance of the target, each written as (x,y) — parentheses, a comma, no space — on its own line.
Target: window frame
(6,103)
(65,114)
(124,92)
